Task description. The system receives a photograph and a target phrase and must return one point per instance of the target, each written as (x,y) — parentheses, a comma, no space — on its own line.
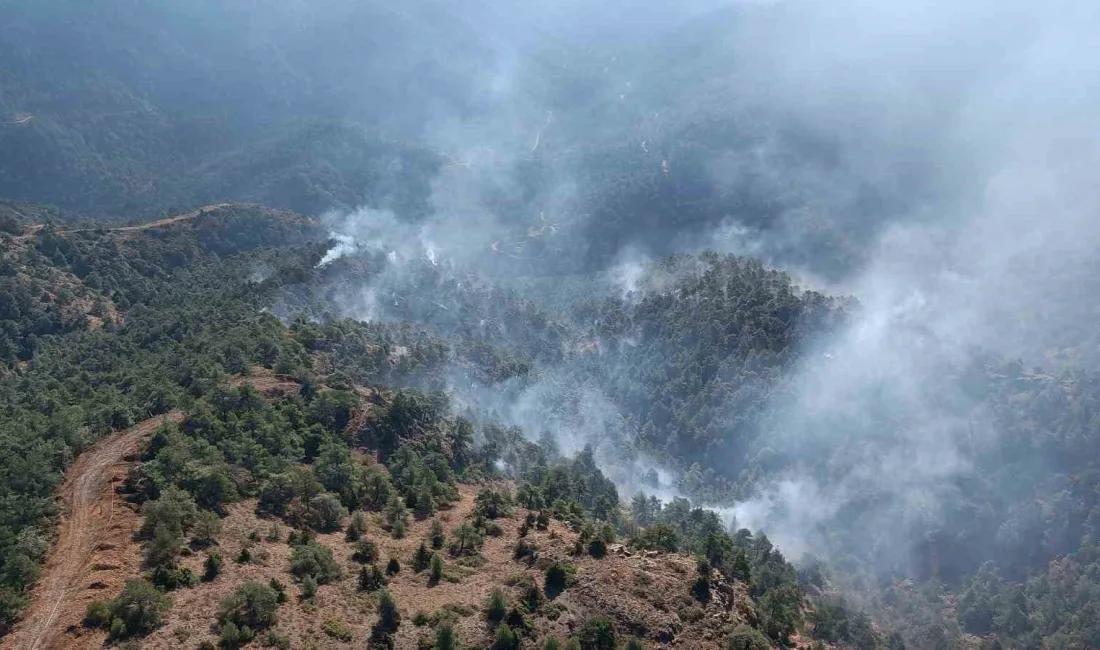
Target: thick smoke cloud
(957,145)
(995,251)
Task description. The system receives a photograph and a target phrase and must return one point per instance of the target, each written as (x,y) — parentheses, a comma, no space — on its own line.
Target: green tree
(175,510)
(445,638)
(389,618)
(314,561)
(558,577)
(366,552)
(495,607)
(326,512)
(212,565)
(780,612)
(421,559)
(138,610)
(206,529)
(466,540)
(436,534)
(747,638)
(597,634)
(506,639)
(252,604)
(356,527)
(437,568)
(371,578)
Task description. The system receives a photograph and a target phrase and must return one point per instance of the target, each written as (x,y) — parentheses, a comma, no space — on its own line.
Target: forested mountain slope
(691,324)
(186,321)
(181,306)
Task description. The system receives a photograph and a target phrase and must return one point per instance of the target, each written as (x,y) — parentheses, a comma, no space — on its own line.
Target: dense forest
(746,283)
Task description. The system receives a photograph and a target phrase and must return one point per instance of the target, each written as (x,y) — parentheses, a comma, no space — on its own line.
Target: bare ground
(93,522)
(95,551)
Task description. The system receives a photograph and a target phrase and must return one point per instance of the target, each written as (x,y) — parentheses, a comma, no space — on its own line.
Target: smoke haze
(954,147)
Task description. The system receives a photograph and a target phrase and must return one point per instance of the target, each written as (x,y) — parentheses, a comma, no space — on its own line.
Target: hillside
(187,253)
(706,324)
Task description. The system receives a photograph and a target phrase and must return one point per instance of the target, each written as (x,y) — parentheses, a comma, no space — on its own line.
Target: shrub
(356,527)
(506,639)
(326,512)
(492,504)
(393,567)
(175,510)
(532,597)
(274,533)
(747,638)
(273,640)
(280,590)
(523,549)
(162,550)
(97,614)
(445,638)
(635,644)
(309,587)
(253,605)
(421,559)
(597,634)
(172,576)
(690,613)
(437,568)
(700,589)
(495,607)
(558,576)
(233,636)
(207,527)
(436,534)
(465,540)
(515,620)
(658,537)
(366,552)
(213,565)
(389,618)
(396,511)
(337,630)
(315,561)
(138,610)
(371,579)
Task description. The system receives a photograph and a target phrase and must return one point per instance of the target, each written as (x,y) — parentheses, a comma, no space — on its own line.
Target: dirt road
(89,505)
(33,230)
(95,553)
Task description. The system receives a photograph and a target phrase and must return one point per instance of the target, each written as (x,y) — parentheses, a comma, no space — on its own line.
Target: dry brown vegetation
(645,594)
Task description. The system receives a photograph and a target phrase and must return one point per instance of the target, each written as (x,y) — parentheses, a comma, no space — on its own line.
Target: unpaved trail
(92,543)
(32,230)
(87,511)
(167,220)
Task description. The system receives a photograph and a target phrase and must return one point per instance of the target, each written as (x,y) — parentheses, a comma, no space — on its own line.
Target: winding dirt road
(94,552)
(32,230)
(89,506)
